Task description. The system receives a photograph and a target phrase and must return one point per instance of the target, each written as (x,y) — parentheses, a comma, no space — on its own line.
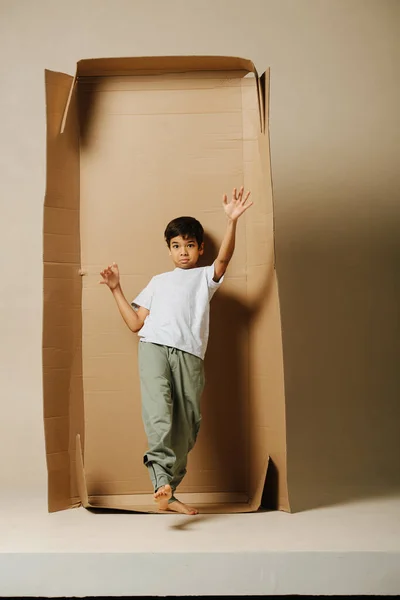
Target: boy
(171,316)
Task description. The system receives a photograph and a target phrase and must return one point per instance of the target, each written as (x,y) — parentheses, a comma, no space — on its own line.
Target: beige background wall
(335,142)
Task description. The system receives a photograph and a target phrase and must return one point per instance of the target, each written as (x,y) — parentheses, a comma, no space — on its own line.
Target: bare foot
(162,495)
(180,507)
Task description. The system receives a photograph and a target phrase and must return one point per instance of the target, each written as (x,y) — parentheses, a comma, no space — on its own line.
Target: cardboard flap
(263,91)
(80,474)
(59,89)
(62,321)
(58,92)
(153,65)
(67,105)
(256,494)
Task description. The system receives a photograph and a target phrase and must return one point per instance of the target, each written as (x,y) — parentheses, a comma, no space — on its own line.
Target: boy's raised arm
(134,319)
(233,209)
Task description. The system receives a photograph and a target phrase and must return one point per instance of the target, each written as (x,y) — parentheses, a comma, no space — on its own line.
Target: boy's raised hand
(110,276)
(237,205)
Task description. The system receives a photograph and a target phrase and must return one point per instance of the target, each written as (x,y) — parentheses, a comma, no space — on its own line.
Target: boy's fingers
(225,199)
(244,199)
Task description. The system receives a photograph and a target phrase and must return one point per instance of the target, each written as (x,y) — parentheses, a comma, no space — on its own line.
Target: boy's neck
(187,268)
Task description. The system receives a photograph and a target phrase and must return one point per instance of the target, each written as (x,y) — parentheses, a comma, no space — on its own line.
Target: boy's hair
(185,227)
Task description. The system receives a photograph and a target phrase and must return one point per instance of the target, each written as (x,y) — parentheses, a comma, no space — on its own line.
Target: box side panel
(267,429)
(147,157)
(62,356)
(144,503)
(151,65)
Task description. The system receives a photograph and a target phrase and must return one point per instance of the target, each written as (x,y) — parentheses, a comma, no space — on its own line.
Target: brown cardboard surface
(153,65)
(62,334)
(149,149)
(211,503)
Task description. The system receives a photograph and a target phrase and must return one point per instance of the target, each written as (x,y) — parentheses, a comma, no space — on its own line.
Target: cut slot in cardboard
(131,144)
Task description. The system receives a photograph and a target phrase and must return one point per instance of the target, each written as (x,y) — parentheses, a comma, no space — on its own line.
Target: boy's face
(185,253)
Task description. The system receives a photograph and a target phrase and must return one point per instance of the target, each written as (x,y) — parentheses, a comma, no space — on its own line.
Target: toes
(161,492)
(182,508)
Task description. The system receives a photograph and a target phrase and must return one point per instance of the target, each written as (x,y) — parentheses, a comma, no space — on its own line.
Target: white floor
(349,548)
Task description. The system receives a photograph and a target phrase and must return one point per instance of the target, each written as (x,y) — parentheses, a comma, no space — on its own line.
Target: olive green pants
(171,382)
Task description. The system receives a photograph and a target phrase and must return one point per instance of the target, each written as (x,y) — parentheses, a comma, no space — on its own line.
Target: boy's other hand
(237,205)
(110,276)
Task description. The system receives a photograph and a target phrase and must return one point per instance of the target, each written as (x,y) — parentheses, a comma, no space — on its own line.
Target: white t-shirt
(178,302)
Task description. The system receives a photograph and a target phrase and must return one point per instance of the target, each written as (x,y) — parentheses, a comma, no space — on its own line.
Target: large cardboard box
(131,144)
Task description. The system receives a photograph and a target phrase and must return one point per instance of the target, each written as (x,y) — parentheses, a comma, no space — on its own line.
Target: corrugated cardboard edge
(80,474)
(265,87)
(157,65)
(61,418)
(66,109)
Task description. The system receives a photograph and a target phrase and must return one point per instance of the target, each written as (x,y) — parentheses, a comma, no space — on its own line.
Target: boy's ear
(201,249)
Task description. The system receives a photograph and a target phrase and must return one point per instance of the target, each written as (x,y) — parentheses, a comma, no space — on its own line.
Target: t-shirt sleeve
(212,285)
(145,297)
